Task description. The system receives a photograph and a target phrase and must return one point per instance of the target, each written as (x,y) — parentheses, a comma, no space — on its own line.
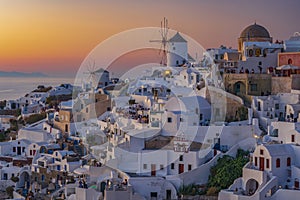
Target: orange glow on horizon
(57,35)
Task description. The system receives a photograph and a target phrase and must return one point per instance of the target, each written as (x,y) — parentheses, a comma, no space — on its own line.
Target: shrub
(227,169)
(9,191)
(15,179)
(35,118)
(212,191)
(188,190)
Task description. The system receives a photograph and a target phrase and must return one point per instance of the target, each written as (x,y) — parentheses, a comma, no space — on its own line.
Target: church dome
(255,31)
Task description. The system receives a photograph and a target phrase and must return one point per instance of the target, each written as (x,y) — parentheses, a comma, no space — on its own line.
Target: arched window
(250,52)
(290,61)
(257,52)
(277,163)
(288,161)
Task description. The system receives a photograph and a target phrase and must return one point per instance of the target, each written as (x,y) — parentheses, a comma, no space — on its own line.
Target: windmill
(93,74)
(164,29)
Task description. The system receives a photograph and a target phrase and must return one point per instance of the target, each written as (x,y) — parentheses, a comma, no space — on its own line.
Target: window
(267,163)
(277,163)
(181,158)
(189,167)
(169,119)
(14,149)
(293,138)
(253,87)
(145,166)
(153,195)
(87,110)
(255,161)
(43,178)
(288,162)
(250,53)
(172,165)
(192,77)
(261,152)
(161,167)
(259,63)
(181,119)
(201,117)
(277,106)
(30,152)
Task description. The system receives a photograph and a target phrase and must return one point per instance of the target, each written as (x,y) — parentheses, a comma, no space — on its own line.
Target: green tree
(227,169)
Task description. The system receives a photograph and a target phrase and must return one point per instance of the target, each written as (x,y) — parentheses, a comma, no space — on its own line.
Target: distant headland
(21,74)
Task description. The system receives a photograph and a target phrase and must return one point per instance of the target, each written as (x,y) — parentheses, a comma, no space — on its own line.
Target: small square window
(145,166)
(255,161)
(261,152)
(169,119)
(293,138)
(201,117)
(181,158)
(253,87)
(267,163)
(189,167)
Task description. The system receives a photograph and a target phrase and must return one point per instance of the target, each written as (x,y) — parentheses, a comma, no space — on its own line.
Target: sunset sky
(54,36)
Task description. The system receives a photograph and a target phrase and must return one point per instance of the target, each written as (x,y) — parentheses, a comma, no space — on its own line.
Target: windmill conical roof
(177,38)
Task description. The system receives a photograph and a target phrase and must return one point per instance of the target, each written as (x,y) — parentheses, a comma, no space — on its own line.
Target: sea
(16,87)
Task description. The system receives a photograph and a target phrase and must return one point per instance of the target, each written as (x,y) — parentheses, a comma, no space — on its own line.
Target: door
(180,168)
(153,195)
(261,164)
(153,170)
(18,150)
(296,184)
(168,194)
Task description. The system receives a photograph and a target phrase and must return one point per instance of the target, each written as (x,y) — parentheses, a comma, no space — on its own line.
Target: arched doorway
(239,88)
(24,182)
(251,187)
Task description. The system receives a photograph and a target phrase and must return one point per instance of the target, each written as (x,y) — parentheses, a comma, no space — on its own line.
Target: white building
(35,135)
(275,107)
(14,147)
(272,173)
(293,44)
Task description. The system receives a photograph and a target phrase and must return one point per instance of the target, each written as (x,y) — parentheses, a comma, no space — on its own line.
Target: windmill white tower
(178,51)
(164,29)
(93,75)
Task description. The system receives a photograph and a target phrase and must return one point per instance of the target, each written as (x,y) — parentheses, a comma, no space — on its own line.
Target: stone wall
(296,82)
(281,85)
